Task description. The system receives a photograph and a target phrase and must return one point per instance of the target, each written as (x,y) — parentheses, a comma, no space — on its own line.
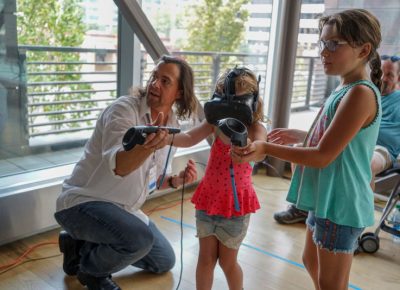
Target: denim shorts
(229,231)
(333,237)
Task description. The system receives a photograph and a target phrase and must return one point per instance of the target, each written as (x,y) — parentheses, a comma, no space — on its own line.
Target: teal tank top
(341,191)
(389,130)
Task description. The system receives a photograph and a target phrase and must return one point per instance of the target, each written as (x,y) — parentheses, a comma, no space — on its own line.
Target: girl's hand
(285,136)
(191,174)
(252,152)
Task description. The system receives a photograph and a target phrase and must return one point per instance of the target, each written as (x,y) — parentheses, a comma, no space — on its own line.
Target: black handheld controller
(235,130)
(138,134)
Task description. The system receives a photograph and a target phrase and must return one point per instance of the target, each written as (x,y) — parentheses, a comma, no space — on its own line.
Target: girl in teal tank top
(332,176)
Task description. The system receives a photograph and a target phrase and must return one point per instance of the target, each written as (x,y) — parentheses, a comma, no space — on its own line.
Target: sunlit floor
(270,255)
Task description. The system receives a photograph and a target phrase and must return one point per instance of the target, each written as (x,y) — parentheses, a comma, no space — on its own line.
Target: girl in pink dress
(220,227)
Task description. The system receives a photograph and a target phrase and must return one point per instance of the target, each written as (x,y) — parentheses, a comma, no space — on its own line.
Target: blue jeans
(115,239)
(333,237)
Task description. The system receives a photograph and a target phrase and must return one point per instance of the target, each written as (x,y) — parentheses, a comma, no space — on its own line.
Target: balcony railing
(67,87)
(207,66)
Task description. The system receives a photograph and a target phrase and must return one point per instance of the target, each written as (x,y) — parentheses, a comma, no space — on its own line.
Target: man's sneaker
(97,283)
(70,248)
(291,216)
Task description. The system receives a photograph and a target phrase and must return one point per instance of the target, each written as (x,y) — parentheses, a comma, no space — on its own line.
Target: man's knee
(139,240)
(166,264)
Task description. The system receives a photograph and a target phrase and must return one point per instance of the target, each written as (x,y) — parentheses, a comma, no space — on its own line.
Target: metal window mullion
(281,64)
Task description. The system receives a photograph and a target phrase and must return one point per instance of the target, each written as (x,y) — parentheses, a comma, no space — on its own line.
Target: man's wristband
(170,182)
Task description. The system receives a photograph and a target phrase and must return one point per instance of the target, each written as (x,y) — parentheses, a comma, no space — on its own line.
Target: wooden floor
(270,255)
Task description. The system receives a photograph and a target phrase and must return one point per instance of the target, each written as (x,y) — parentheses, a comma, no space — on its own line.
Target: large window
(58,71)
(308,66)
(58,63)
(309,87)
(188,28)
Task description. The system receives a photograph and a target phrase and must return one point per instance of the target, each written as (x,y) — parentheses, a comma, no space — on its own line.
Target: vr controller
(138,134)
(235,130)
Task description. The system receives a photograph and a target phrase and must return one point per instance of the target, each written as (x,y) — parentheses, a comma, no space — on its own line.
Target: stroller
(369,242)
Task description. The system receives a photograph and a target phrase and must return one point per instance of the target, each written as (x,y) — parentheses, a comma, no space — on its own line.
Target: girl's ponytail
(376,71)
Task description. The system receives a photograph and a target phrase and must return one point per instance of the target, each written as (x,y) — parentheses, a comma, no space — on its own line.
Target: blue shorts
(333,237)
(229,231)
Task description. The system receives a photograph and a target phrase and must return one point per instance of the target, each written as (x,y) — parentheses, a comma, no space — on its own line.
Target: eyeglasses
(330,45)
(392,58)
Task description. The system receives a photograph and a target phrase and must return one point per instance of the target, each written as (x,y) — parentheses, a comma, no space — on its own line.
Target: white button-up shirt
(94,179)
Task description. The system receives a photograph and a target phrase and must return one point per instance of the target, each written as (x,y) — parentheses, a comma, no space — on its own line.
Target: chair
(369,242)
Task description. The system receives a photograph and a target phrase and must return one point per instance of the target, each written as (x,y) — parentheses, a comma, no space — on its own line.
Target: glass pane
(309,79)
(388,13)
(59,63)
(213,36)
(311,85)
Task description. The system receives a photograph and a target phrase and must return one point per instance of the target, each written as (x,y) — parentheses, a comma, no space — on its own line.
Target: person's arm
(356,110)
(188,175)
(193,136)
(284,136)
(258,133)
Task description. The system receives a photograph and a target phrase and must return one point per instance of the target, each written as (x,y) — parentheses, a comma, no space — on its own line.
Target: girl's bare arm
(193,136)
(356,110)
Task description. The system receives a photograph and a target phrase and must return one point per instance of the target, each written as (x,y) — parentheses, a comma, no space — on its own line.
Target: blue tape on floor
(254,248)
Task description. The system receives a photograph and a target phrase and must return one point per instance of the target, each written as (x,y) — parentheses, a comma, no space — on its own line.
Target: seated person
(387,150)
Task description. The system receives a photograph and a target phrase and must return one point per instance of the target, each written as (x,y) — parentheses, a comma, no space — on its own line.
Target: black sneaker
(97,283)
(70,248)
(291,216)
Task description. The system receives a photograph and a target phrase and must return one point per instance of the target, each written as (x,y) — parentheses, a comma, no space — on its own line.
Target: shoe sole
(81,278)
(293,221)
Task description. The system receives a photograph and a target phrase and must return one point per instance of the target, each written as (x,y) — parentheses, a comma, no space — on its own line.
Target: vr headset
(229,105)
